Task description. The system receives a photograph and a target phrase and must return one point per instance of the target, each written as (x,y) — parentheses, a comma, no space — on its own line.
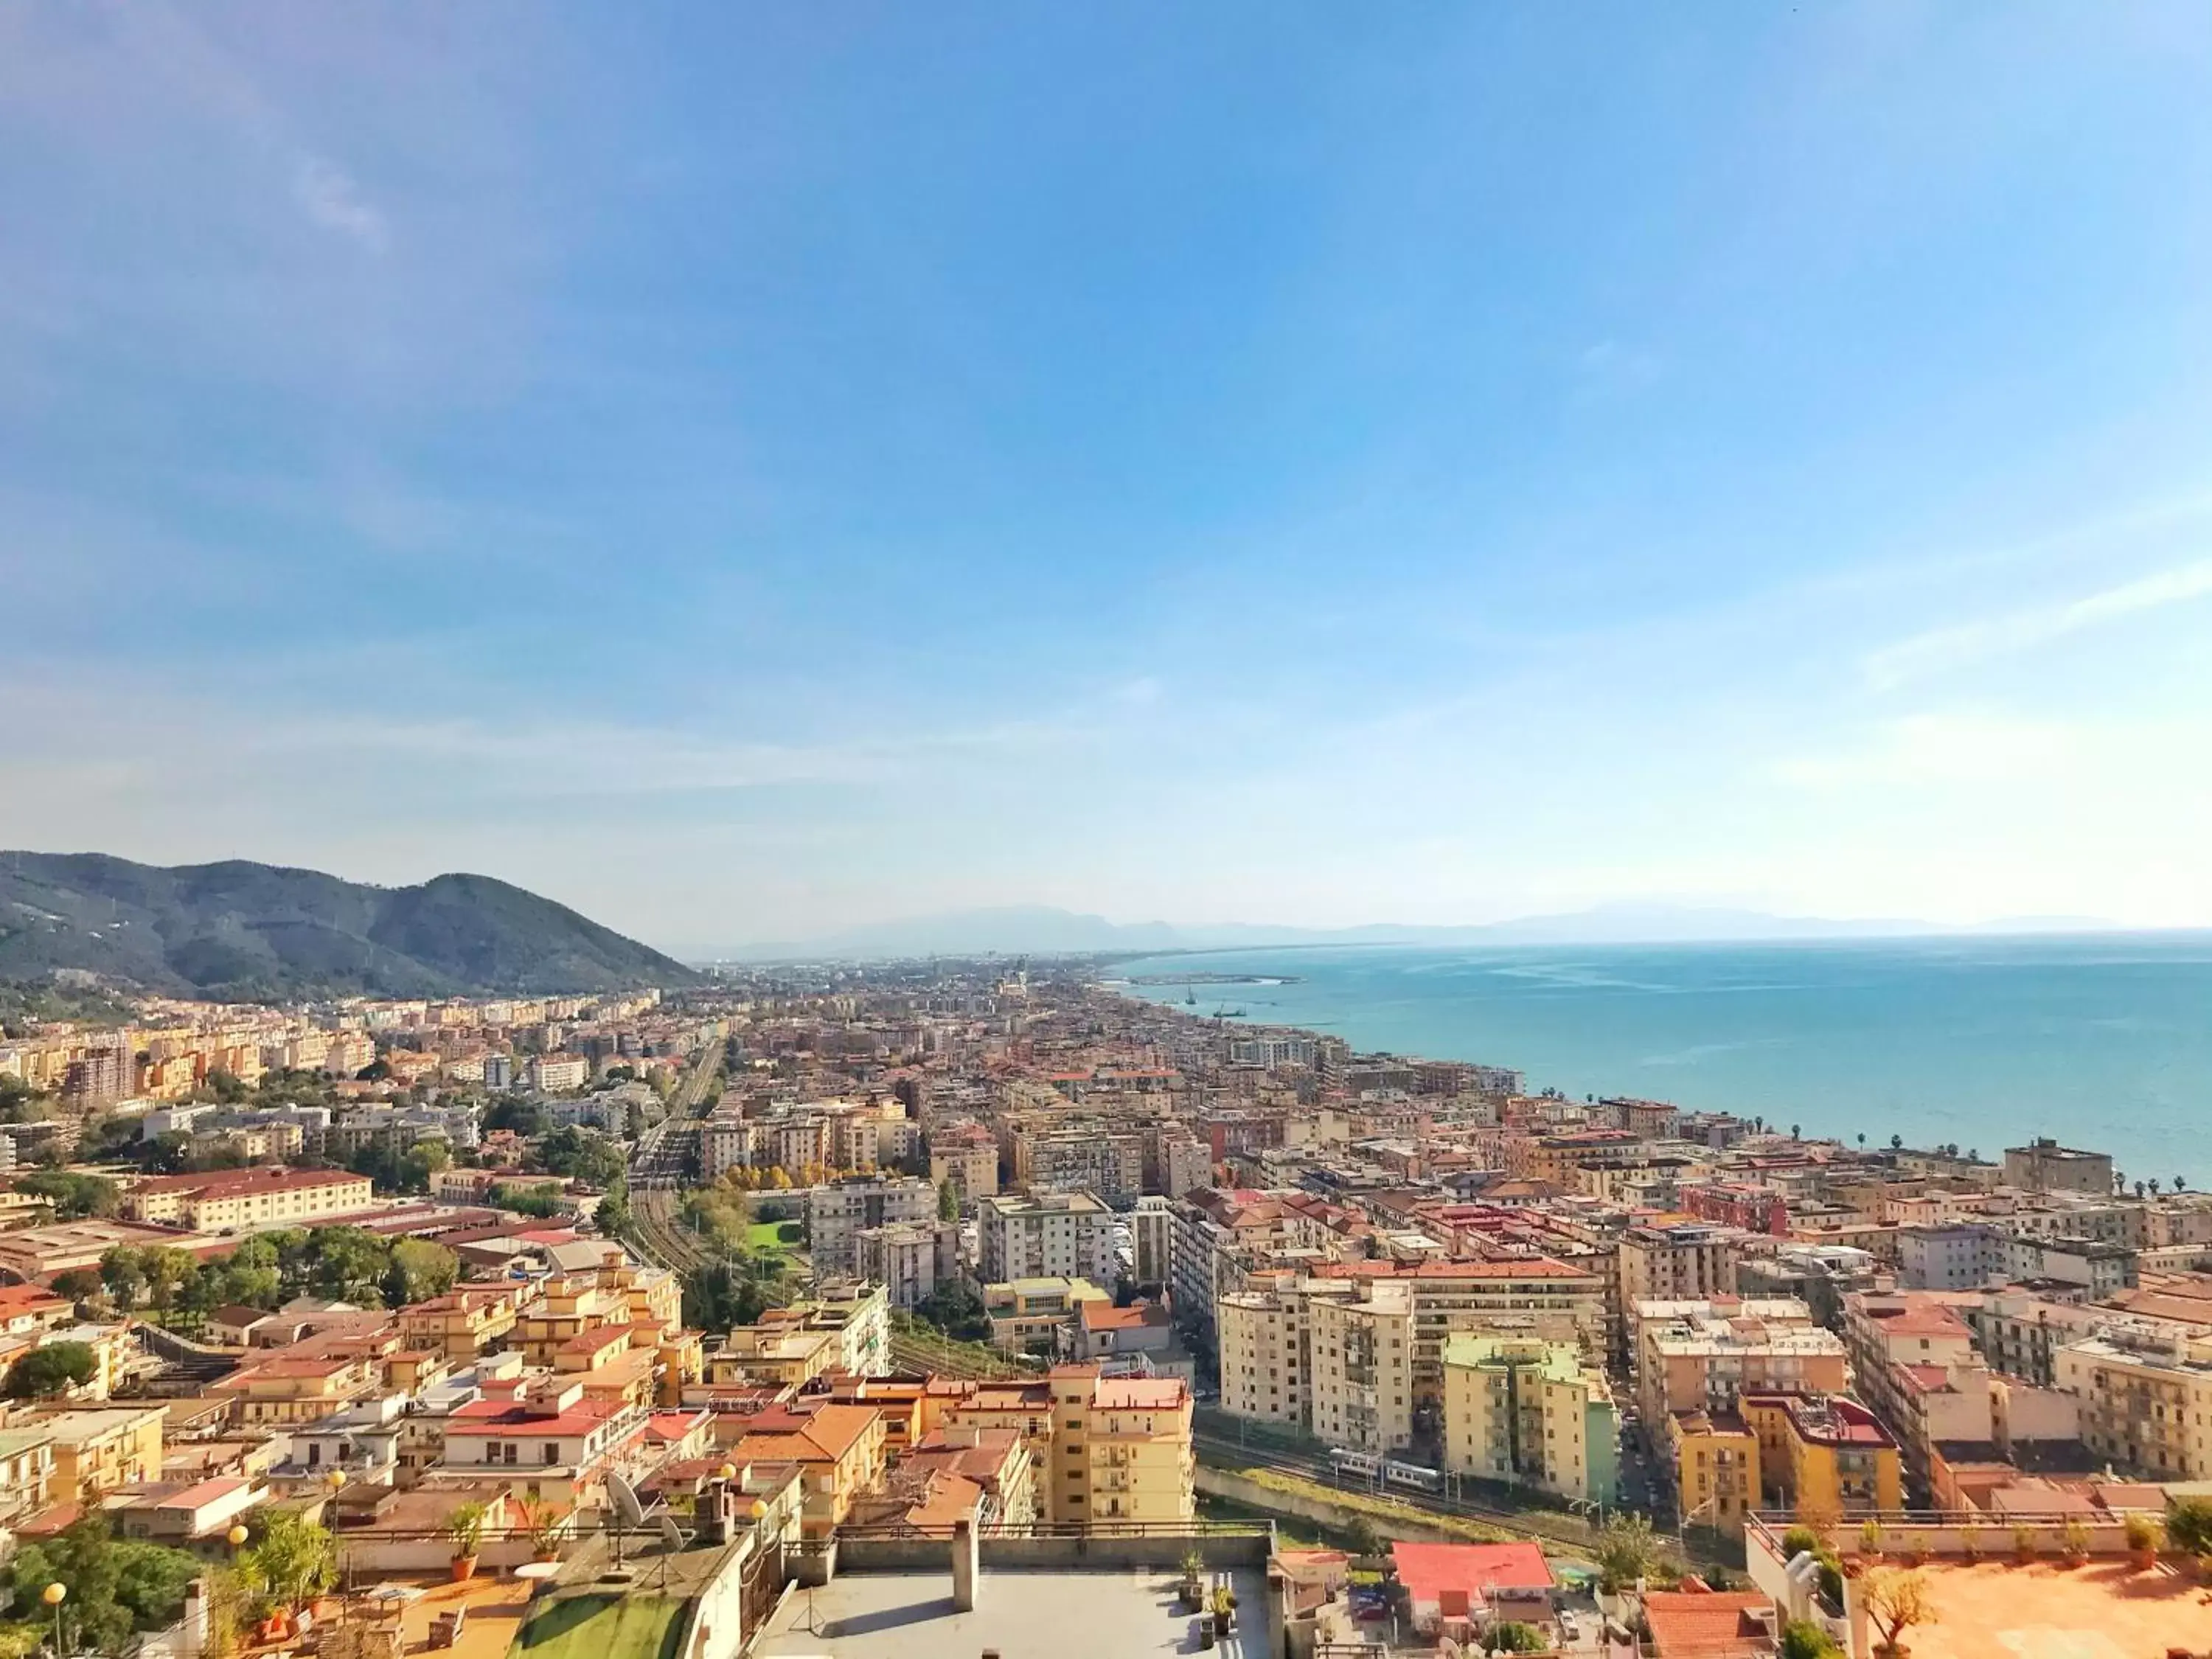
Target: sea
(2099,1040)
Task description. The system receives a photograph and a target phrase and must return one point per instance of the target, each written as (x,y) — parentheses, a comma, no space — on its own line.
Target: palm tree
(1795,1132)
(1897,1143)
(295,1562)
(2154,1185)
(2177,1183)
(2139,1189)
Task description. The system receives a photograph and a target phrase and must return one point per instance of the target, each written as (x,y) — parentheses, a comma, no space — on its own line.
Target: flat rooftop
(2104,1610)
(1045,1614)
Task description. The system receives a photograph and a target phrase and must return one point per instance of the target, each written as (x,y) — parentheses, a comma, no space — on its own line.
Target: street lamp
(53,1596)
(236,1537)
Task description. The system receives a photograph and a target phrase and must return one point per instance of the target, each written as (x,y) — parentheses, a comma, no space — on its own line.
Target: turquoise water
(2104,1042)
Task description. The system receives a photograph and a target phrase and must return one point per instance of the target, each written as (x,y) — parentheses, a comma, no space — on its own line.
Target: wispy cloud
(328,195)
(1943,649)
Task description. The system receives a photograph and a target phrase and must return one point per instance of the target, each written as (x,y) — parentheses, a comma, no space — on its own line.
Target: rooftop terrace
(1117,1613)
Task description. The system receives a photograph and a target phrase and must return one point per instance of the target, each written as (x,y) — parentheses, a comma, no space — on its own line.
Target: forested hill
(256,931)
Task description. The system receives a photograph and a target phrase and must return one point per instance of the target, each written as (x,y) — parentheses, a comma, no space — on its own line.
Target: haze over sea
(2102,1041)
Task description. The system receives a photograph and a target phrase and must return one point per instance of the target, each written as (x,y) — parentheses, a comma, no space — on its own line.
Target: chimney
(965,1566)
(196,1618)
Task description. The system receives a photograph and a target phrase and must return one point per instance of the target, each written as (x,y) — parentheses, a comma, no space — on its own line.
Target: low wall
(865,1552)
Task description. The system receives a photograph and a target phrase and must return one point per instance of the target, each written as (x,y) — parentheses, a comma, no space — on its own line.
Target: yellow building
(566,1308)
(2145,1401)
(460,1324)
(1700,1356)
(1122,1448)
(1362,1369)
(1111,1449)
(96,1451)
(1687,1262)
(1715,1459)
(291,1390)
(840,1450)
(241,1197)
(1524,1410)
(1823,1454)
(773,1354)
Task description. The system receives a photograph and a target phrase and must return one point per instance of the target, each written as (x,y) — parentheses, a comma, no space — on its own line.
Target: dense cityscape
(819,1260)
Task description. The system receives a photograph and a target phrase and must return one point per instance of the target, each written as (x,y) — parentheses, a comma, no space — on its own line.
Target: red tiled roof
(1708,1624)
(1425,1570)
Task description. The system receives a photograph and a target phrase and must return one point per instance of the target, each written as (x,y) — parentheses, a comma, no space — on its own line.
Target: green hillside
(257,932)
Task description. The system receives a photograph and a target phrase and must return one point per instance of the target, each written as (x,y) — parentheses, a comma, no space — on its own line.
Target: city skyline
(748,477)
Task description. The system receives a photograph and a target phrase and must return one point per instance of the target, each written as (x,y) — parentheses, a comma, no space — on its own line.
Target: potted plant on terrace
(2143,1536)
(2076,1541)
(465,1526)
(1225,1605)
(1870,1540)
(1193,1569)
(2023,1544)
(542,1520)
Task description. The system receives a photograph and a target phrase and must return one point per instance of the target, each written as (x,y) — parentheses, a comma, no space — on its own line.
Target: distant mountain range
(1042,931)
(256,931)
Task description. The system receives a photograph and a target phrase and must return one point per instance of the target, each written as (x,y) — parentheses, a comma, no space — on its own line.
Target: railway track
(1226,1453)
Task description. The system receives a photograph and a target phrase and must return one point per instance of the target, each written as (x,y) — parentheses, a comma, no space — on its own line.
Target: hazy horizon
(751,474)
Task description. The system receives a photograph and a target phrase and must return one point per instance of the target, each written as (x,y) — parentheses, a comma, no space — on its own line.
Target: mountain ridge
(240,931)
(1012,930)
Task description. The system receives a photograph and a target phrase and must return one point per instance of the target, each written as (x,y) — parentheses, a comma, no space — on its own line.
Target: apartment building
(554,1074)
(1703,1356)
(2045,1166)
(1962,1255)
(97,1451)
(1087,1160)
(1823,1454)
(1913,1354)
(1712,1458)
(1122,1448)
(1151,1240)
(246,1198)
(2143,1401)
(1530,1412)
(1362,1369)
(839,1211)
(910,1258)
(1050,1235)
(1683,1262)
(1266,1349)
(966,1155)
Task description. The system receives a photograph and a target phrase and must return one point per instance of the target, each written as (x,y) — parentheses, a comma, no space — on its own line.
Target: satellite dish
(628,1510)
(671,1535)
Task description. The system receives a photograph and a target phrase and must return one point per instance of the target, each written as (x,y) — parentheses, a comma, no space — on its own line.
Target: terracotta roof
(1425,1570)
(1709,1623)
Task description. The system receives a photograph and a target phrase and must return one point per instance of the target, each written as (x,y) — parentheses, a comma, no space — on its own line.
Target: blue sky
(744,471)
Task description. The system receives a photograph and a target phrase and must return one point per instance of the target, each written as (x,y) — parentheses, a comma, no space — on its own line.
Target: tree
(2139,1188)
(1511,1635)
(1862,1137)
(73,1196)
(956,1308)
(1796,1131)
(2188,1525)
(1896,1600)
(45,1372)
(1626,1550)
(349,1264)
(1897,1143)
(166,1268)
(115,1586)
(526,1118)
(2177,1183)
(1803,1639)
(123,1270)
(80,1284)
(420,1270)
(948,1202)
(293,1561)
(1361,1533)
